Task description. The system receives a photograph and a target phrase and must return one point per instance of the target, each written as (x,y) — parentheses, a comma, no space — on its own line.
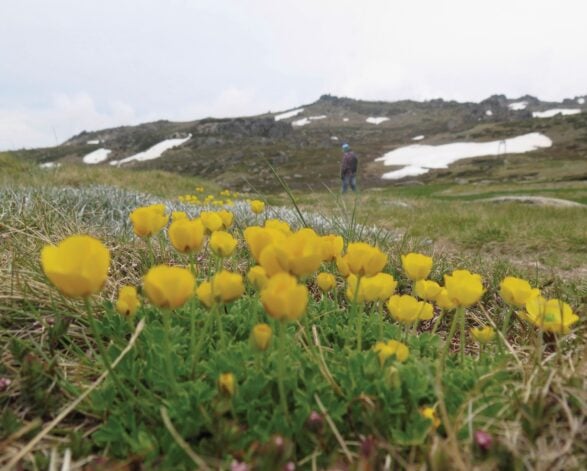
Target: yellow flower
(552,315)
(284,298)
(274,259)
(304,252)
(379,287)
(516,291)
(343,266)
(279,225)
(416,266)
(257,238)
(211,220)
(464,288)
(407,309)
(222,243)
(391,348)
(186,235)
(149,220)
(261,336)
(204,293)
(364,259)
(226,384)
(430,413)
(427,289)
(299,254)
(177,215)
(257,206)
(169,287)
(372,288)
(224,287)
(77,266)
(331,247)
(325,281)
(227,218)
(483,334)
(443,301)
(128,301)
(257,276)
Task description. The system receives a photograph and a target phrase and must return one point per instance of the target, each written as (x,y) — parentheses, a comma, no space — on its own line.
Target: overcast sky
(70,65)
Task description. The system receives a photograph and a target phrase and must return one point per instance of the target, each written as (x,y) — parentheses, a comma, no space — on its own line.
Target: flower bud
(315,422)
(261,336)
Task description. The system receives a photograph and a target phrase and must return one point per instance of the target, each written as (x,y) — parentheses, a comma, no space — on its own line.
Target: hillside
(304,144)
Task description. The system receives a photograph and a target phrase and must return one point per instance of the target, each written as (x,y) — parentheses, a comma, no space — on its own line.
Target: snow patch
(581,101)
(409,171)
(489,113)
(97,156)
(554,112)
(153,152)
(301,122)
(322,116)
(421,158)
(345,119)
(50,165)
(93,142)
(334,138)
(378,120)
(288,114)
(518,105)
(418,138)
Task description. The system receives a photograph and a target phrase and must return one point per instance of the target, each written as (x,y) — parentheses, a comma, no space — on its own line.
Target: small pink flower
(239,466)
(483,440)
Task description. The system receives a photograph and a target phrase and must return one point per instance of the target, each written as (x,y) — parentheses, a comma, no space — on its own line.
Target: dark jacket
(349,164)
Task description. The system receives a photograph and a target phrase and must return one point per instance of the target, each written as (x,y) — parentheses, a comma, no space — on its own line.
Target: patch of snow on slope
(334,138)
(554,112)
(427,157)
(409,171)
(155,151)
(301,122)
(378,120)
(518,105)
(581,101)
(50,165)
(288,114)
(97,156)
(322,116)
(345,119)
(418,138)
(489,113)
(93,141)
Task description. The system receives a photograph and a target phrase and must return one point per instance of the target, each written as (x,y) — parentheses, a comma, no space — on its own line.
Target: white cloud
(66,115)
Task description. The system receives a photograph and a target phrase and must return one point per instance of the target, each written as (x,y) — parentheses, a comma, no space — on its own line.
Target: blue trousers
(349,180)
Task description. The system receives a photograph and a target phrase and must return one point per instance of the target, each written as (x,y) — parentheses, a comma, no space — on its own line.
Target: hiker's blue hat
(346,147)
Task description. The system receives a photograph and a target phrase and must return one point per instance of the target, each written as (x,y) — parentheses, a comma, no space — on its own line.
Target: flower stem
(217,312)
(167,348)
(357,315)
(451,333)
(438,321)
(281,370)
(203,336)
(504,329)
(381,319)
(151,252)
(461,312)
(102,350)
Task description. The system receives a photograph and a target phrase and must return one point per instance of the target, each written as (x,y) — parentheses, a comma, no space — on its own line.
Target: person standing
(348,169)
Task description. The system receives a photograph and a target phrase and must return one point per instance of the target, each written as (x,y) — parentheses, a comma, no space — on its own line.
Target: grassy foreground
(514,403)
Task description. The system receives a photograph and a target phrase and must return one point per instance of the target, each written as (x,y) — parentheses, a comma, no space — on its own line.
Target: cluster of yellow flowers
(285,259)
(226,200)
